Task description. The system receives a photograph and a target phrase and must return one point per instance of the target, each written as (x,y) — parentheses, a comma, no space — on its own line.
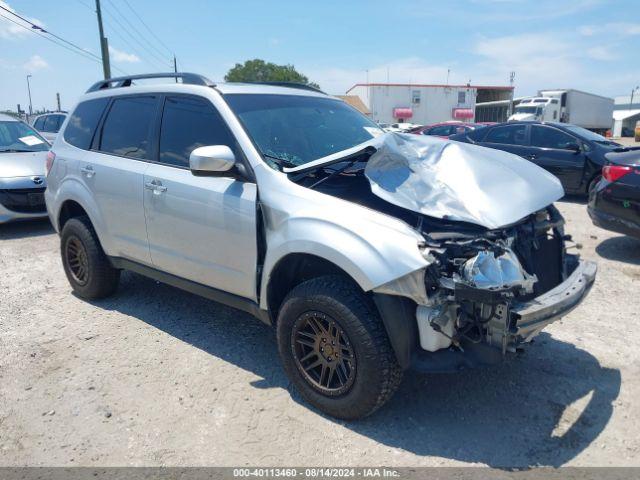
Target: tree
(260,71)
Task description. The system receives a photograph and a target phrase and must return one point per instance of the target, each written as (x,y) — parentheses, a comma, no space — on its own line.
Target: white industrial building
(424,104)
(626,112)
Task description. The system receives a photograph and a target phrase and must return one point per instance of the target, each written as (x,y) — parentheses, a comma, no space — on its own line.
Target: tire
(373,376)
(87,268)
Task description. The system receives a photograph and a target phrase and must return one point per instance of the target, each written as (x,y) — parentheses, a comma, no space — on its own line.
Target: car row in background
(445,129)
(23,155)
(48,124)
(614,204)
(573,154)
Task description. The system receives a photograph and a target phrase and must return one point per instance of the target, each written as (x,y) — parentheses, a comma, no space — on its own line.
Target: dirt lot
(156,376)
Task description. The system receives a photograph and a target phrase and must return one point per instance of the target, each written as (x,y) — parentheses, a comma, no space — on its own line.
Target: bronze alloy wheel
(323,353)
(77,260)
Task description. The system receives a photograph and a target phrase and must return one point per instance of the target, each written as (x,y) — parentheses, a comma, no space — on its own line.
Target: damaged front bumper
(531,317)
(525,319)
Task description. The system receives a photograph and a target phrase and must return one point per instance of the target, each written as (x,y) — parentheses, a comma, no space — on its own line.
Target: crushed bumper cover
(529,319)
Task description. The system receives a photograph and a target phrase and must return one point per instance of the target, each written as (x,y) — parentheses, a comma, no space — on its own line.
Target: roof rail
(301,86)
(126,81)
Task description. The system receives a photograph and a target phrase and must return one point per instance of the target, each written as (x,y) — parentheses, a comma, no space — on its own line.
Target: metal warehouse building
(424,104)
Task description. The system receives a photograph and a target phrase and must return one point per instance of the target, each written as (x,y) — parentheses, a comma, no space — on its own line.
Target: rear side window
(547,137)
(52,123)
(82,124)
(127,128)
(189,123)
(508,135)
(39,123)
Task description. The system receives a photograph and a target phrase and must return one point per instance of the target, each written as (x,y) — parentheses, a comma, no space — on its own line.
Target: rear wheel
(335,349)
(87,268)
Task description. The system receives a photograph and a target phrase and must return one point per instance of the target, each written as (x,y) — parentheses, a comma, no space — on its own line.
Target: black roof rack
(117,82)
(301,86)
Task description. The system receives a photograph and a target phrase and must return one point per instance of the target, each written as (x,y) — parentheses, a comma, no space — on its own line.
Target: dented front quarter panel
(372,248)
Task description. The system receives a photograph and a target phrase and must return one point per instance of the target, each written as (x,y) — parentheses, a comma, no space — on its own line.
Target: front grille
(24,200)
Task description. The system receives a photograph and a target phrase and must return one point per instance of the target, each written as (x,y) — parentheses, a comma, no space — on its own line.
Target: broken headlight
(485,270)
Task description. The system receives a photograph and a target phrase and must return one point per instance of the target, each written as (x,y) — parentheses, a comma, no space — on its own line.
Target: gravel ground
(157,376)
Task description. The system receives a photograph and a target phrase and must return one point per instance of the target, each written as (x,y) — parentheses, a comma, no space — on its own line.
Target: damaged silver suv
(369,252)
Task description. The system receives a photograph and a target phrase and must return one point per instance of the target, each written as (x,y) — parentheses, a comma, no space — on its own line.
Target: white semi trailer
(587,110)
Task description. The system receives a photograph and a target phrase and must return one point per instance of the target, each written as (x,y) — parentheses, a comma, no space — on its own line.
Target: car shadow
(543,407)
(25,228)
(577,199)
(621,249)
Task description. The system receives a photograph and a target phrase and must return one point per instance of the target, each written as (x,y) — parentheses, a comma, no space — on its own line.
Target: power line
(149,29)
(41,32)
(136,30)
(117,32)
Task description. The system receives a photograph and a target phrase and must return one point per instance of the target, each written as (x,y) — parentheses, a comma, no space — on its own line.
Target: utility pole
(104,45)
(512,77)
(58,100)
(29,90)
(634,90)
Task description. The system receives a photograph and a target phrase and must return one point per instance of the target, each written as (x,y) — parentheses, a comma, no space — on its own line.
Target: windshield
(292,130)
(535,110)
(589,135)
(20,137)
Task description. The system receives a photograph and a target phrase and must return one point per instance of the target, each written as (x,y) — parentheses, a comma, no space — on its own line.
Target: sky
(591,45)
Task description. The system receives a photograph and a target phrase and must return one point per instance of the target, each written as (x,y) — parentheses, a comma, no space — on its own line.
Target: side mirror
(573,147)
(212,160)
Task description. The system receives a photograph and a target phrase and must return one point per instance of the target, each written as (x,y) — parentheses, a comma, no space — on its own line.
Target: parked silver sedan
(23,156)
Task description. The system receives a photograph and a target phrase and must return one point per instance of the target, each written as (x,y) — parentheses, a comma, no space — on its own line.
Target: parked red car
(445,129)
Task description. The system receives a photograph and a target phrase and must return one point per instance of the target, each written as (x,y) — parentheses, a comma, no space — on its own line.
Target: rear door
(114,172)
(510,138)
(201,228)
(552,149)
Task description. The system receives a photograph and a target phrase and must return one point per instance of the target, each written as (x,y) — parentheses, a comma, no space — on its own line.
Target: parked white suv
(369,252)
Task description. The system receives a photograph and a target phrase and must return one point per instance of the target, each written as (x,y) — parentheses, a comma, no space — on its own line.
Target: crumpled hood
(458,181)
(22,164)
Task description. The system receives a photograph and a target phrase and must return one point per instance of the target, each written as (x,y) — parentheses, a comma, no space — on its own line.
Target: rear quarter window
(83,122)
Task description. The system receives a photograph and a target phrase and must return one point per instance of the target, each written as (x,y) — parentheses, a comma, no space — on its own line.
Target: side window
(189,123)
(441,130)
(462,97)
(83,122)
(59,122)
(508,135)
(546,137)
(39,123)
(126,130)
(51,124)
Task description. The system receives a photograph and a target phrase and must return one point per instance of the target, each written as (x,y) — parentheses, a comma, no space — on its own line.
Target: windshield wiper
(281,162)
(15,150)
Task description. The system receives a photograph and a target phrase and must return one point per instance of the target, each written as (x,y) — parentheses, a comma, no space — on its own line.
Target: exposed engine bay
(476,275)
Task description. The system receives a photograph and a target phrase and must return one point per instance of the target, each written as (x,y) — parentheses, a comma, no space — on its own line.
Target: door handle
(156,186)
(88,171)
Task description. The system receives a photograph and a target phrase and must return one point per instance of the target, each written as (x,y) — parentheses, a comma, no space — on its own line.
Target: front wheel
(335,349)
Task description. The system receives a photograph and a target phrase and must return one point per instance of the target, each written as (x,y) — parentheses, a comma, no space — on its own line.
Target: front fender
(369,253)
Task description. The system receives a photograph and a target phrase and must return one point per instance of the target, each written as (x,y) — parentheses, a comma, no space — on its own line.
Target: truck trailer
(586,110)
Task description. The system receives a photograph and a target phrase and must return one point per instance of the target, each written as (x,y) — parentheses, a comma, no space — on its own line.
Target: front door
(553,150)
(199,228)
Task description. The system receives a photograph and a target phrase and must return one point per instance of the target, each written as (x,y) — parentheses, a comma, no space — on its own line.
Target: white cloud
(35,63)
(11,31)
(274,42)
(620,29)
(119,56)
(601,53)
